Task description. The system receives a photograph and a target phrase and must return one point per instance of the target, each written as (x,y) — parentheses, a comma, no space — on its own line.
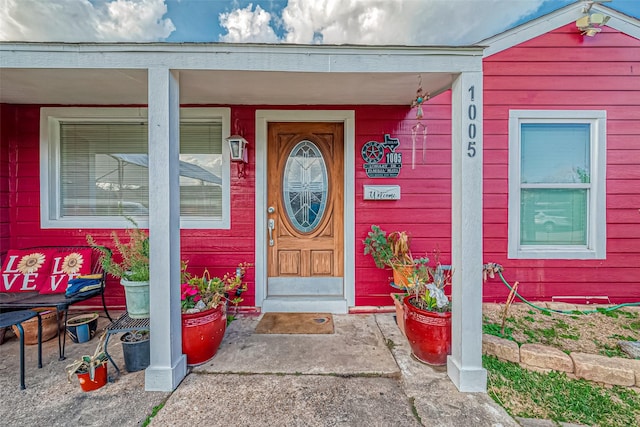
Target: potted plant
(83,327)
(136,350)
(91,370)
(132,269)
(427,313)
(204,310)
(392,250)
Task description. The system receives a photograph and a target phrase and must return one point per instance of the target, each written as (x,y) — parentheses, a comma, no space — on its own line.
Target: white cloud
(81,20)
(247,25)
(401,22)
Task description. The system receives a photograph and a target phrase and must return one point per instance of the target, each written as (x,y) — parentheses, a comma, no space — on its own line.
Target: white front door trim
(263,117)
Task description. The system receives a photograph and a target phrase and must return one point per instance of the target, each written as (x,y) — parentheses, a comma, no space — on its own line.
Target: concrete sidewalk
(362,375)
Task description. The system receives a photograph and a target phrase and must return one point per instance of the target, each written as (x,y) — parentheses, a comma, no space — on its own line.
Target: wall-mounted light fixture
(589,25)
(238,152)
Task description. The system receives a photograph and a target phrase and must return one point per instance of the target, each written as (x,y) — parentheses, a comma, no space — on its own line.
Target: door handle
(271,226)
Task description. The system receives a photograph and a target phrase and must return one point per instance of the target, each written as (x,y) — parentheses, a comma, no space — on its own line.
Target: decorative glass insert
(305,186)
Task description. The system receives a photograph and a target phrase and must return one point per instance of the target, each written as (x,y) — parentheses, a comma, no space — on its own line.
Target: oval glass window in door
(305,186)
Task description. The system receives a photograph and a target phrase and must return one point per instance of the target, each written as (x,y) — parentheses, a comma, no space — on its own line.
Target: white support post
(168,365)
(464,365)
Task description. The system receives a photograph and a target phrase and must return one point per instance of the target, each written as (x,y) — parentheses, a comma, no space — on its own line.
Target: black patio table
(16,318)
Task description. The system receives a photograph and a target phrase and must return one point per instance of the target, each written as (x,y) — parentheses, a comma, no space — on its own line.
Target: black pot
(136,351)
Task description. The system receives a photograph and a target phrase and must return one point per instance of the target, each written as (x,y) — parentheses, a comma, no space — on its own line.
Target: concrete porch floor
(363,374)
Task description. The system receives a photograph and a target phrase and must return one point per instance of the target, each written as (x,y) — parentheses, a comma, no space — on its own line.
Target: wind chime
(419,127)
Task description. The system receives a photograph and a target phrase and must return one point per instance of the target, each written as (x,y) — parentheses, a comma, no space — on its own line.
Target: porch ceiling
(106,86)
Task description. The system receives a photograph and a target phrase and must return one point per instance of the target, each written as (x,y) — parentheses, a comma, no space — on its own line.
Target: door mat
(295,323)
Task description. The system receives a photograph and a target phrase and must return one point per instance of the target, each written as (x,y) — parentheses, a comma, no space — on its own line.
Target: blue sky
(401,22)
(194,23)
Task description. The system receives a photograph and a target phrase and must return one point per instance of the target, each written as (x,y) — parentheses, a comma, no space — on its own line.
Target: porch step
(305,305)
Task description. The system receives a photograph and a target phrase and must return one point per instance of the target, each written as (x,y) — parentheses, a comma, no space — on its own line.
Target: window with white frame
(557,176)
(94,167)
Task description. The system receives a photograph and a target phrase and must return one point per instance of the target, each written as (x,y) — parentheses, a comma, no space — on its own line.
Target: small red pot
(99,378)
(202,334)
(428,332)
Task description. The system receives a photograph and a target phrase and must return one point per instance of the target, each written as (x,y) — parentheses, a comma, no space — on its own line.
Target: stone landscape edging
(542,358)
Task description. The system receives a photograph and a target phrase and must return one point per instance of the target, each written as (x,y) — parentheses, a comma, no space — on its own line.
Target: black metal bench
(11,301)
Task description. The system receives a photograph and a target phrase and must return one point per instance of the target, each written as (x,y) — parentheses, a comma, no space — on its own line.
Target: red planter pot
(202,334)
(428,332)
(99,378)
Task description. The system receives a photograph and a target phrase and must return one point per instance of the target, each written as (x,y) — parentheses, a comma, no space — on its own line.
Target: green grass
(494,329)
(622,337)
(633,326)
(613,314)
(534,332)
(154,412)
(390,344)
(609,351)
(574,337)
(554,396)
(414,410)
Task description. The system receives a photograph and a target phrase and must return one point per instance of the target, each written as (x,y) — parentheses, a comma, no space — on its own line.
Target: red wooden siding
(560,70)
(5,220)
(424,210)
(563,70)
(218,250)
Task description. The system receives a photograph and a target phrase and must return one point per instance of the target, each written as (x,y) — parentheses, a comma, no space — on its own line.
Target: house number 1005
(472,113)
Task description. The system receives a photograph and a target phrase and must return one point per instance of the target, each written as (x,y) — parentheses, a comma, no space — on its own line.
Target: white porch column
(464,366)
(168,365)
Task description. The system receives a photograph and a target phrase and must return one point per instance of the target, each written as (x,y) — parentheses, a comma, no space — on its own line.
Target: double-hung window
(95,167)
(557,162)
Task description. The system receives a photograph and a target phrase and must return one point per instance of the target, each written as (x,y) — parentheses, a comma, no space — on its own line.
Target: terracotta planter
(400,275)
(428,332)
(50,324)
(398,301)
(99,378)
(202,334)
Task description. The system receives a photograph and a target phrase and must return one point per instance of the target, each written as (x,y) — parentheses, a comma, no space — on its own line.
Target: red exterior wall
(428,185)
(5,220)
(559,70)
(424,209)
(563,70)
(219,250)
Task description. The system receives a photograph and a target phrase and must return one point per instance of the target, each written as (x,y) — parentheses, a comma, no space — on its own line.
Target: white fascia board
(242,57)
(568,14)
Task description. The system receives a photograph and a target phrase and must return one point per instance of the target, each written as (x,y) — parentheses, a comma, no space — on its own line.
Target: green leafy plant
(88,363)
(200,293)
(388,250)
(426,285)
(134,255)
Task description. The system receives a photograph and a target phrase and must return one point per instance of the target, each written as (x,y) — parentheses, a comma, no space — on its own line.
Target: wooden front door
(305,209)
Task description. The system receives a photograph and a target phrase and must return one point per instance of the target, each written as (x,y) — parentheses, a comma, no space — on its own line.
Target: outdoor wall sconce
(590,24)
(238,152)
